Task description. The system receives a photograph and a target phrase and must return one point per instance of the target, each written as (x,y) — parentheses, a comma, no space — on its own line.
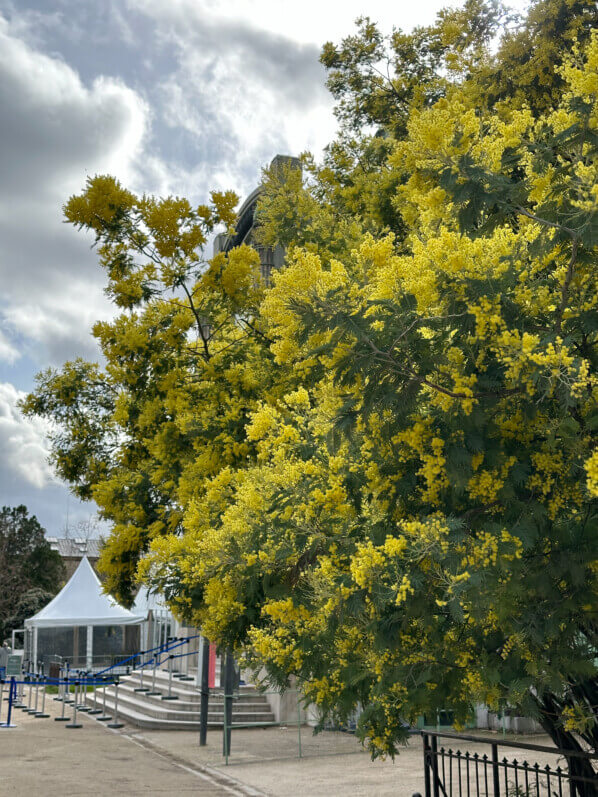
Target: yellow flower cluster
(591,467)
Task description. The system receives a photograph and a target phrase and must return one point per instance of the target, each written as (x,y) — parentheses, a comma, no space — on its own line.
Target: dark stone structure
(244,234)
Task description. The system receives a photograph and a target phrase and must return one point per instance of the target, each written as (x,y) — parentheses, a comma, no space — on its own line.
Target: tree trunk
(550,719)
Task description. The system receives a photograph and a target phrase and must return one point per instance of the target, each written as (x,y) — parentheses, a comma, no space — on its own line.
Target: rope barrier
(81,680)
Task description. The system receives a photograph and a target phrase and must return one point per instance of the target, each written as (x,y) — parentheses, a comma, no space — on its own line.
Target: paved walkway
(41,756)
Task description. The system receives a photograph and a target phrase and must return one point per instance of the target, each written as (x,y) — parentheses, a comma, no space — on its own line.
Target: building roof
(82,602)
(75,547)
(146,601)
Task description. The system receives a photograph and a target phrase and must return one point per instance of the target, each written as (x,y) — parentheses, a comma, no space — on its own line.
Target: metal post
(19,695)
(11,690)
(74,723)
(104,717)
(95,709)
(153,690)
(170,696)
(186,676)
(495,773)
(83,694)
(34,709)
(141,687)
(2,696)
(427,765)
(229,675)
(27,708)
(60,693)
(299,723)
(62,718)
(41,715)
(205,692)
(434,753)
(116,723)
(67,697)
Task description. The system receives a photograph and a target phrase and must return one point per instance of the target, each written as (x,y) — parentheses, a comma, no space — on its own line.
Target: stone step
(183,703)
(182,688)
(171,710)
(142,720)
(167,717)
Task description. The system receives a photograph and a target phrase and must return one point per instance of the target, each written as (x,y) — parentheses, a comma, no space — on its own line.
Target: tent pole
(89,651)
(35,648)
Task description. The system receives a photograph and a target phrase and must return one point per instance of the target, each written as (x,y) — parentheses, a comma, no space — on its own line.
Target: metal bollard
(12,693)
(105,717)
(41,715)
(27,708)
(186,676)
(62,718)
(60,695)
(95,709)
(18,701)
(67,697)
(74,723)
(153,690)
(141,687)
(116,723)
(34,709)
(67,680)
(170,696)
(83,696)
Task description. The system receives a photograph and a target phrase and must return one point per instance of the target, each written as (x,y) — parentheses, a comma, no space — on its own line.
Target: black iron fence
(450,772)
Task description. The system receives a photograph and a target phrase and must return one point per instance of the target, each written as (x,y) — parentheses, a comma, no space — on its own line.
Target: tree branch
(566,285)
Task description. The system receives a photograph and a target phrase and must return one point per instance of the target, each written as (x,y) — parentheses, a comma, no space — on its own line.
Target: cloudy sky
(171,96)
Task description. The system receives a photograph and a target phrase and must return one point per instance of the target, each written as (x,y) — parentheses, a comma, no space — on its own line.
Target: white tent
(81,602)
(159,620)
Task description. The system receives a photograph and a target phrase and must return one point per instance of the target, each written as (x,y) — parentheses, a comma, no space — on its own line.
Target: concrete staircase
(152,712)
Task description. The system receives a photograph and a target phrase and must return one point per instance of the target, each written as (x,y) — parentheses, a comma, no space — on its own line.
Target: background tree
(185,364)
(31,570)
(419,529)
(379,475)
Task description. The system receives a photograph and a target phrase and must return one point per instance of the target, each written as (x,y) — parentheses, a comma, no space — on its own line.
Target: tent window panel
(81,644)
(107,641)
(55,643)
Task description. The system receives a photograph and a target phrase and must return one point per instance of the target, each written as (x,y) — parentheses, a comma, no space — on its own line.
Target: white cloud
(23,440)
(8,352)
(25,475)
(240,92)
(56,130)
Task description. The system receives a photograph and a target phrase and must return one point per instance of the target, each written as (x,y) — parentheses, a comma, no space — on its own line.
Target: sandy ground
(43,757)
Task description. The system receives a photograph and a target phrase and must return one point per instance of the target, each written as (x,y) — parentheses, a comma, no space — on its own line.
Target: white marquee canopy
(81,602)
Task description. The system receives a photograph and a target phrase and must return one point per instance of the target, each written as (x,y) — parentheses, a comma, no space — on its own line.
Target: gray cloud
(25,476)
(169,102)
(54,131)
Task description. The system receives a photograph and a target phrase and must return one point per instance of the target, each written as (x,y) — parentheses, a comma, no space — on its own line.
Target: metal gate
(450,772)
